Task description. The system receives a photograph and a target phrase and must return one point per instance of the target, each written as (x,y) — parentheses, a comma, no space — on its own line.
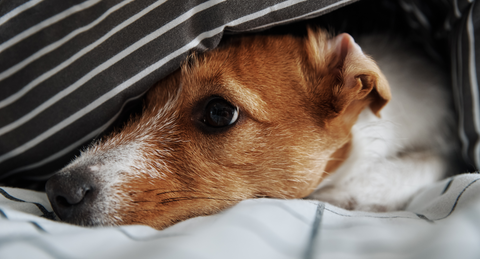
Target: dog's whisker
(165,201)
(174,191)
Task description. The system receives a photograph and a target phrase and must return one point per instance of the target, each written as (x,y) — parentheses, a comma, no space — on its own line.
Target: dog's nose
(71,195)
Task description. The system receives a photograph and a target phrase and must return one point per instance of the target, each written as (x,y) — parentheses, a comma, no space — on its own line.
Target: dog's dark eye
(220,113)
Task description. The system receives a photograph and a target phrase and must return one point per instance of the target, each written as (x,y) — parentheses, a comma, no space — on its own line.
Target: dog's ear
(344,77)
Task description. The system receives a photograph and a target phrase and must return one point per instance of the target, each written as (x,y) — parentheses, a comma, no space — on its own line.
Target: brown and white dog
(266,116)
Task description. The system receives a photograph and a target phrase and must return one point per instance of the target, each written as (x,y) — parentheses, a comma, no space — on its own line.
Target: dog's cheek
(269,160)
(146,202)
(178,195)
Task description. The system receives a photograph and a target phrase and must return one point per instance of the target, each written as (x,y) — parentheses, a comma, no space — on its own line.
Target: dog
(267,116)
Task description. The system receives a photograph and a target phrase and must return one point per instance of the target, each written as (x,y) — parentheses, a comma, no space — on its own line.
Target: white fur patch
(392,158)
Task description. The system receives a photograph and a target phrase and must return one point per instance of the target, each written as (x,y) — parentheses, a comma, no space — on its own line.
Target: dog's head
(262,116)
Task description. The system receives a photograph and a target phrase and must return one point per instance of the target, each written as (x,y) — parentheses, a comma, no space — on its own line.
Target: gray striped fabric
(68,68)
(465,54)
(458,21)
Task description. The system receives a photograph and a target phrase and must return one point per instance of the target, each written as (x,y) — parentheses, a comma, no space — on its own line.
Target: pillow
(69,68)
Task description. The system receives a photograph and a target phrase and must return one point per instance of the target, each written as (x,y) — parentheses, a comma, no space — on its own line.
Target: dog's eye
(220,113)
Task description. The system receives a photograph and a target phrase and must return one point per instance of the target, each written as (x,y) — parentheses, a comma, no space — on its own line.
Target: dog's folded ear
(342,76)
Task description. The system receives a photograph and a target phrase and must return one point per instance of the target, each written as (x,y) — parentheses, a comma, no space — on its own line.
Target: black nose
(72,195)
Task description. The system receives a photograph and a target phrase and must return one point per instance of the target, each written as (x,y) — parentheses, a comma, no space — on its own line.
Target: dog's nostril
(71,195)
(61,201)
(72,199)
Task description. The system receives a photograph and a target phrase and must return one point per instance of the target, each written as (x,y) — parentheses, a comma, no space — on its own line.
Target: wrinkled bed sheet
(443,221)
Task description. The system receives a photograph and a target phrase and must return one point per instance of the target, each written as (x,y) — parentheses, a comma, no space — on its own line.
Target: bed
(440,222)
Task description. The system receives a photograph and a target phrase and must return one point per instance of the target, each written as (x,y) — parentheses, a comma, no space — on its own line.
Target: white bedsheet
(443,221)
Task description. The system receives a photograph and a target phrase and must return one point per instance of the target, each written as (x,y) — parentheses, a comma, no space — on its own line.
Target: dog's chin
(91,221)
(90,217)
